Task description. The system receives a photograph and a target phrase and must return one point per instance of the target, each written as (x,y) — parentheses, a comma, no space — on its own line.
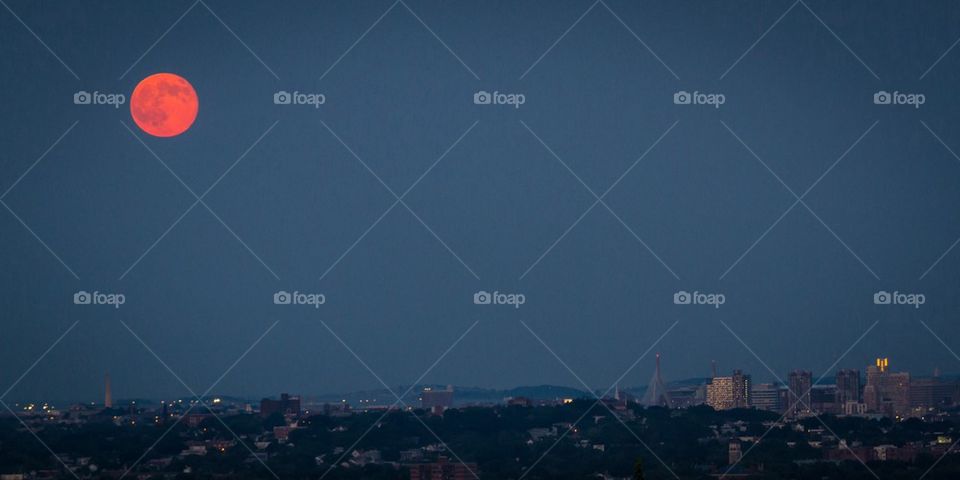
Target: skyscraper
(848,387)
(886,392)
(801,381)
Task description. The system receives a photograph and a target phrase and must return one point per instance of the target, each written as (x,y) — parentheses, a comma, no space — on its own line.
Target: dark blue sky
(800,96)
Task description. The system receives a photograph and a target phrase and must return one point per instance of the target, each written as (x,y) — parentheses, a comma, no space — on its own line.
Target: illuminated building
(886,392)
(724,393)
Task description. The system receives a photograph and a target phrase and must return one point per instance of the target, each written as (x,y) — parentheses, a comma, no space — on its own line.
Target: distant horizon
(388,399)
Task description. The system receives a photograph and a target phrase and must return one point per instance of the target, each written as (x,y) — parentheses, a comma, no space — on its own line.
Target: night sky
(693,197)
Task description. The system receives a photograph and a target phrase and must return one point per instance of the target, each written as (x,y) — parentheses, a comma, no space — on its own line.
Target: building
(766,396)
(442,469)
(801,382)
(932,392)
(848,386)
(436,400)
(724,393)
(823,399)
(287,405)
(886,392)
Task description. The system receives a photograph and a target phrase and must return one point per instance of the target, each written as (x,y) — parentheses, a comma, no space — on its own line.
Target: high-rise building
(766,396)
(724,393)
(848,386)
(801,381)
(886,392)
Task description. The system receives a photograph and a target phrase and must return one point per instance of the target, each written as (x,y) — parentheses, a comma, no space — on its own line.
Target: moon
(164,105)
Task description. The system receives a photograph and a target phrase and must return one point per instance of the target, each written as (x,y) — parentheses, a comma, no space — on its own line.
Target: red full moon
(164,105)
